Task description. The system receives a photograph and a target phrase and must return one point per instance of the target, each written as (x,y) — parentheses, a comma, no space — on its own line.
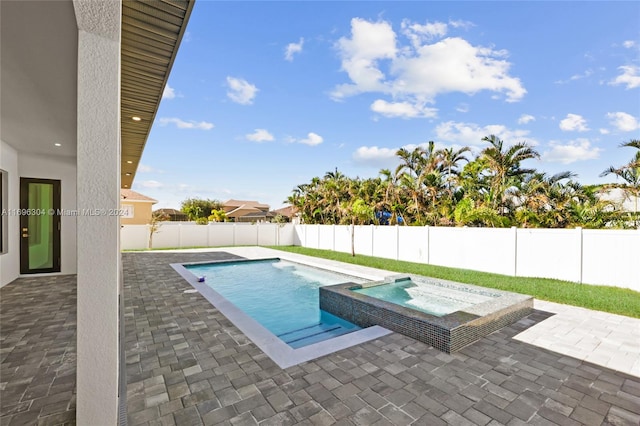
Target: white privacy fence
(593,256)
(185,234)
(608,257)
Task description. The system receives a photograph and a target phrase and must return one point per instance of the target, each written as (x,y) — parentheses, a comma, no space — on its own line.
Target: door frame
(24,241)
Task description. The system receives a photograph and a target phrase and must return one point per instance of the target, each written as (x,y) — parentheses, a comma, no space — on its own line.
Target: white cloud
(293,48)
(402,109)
(381,157)
(472,134)
(629,43)
(419,72)
(454,65)
(369,42)
(375,157)
(576,150)
(241,91)
(150,184)
(585,74)
(623,121)
(462,107)
(574,123)
(260,135)
(419,34)
(629,77)
(312,139)
(604,131)
(461,24)
(575,77)
(169,92)
(526,118)
(181,124)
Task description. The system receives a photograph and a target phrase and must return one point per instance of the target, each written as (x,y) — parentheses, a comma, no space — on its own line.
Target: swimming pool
(474,312)
(425,296)
(283,354)
(282,296)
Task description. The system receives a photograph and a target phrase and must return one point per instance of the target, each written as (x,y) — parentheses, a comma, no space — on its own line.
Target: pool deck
(188,365)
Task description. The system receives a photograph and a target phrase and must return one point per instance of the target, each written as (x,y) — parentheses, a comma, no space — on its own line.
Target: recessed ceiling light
(126,186)
(136,118)
(57,144)
(129,162)
(128,174)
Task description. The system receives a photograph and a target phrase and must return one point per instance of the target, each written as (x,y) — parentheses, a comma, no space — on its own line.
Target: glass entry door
(39,225)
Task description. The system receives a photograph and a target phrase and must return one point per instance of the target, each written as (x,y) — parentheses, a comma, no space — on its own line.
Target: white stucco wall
(98,157)
(64,170)
(10,261)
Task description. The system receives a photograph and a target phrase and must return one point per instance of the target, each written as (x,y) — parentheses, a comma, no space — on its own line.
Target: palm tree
(545,201)
(630,174)
(409,160)
(359,213)
(411,189)
(504,167)
(450,159)
(431,159)
(391,198)
(634,143)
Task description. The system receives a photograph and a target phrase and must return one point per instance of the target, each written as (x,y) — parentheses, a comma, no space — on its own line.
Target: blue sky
(263,96)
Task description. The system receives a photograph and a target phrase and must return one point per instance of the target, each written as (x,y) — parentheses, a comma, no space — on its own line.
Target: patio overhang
(151,34)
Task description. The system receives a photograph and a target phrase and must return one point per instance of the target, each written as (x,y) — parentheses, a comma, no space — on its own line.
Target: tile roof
(129,195)
(170,211)
(240,203)
(288,211)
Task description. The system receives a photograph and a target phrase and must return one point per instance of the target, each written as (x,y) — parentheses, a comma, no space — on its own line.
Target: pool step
(312,334)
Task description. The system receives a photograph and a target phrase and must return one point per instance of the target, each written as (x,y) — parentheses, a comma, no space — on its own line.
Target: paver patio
(188,365)
(38,351)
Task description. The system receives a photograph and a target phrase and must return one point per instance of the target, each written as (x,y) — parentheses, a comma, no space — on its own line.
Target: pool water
(429,298)
(282,296)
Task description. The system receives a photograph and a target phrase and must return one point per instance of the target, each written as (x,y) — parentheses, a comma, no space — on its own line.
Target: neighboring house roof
(170,211)
(244,210)
(288,211)
(172,214)
(129,195)
(258,215)
(230,205)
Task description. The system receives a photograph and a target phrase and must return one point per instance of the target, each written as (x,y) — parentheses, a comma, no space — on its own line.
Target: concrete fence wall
(592,256)
(177,235)
(607,257)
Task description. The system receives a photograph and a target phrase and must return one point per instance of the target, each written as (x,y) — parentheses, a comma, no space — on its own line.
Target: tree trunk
(353,242)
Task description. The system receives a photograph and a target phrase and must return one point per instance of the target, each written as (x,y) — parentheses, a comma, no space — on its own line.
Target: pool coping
(281,353)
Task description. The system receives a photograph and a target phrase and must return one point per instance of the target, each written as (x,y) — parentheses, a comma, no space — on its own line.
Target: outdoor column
(98,158)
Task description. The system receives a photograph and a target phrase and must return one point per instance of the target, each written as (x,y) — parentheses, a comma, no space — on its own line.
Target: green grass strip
(598,297)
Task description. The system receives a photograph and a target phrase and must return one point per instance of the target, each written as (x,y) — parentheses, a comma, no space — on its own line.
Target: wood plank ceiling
(151,34)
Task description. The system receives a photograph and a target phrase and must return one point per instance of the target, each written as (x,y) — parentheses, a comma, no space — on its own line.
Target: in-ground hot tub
(444,314)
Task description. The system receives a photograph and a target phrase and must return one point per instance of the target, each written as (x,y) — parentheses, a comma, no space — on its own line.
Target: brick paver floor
(38,351)
(188,365)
